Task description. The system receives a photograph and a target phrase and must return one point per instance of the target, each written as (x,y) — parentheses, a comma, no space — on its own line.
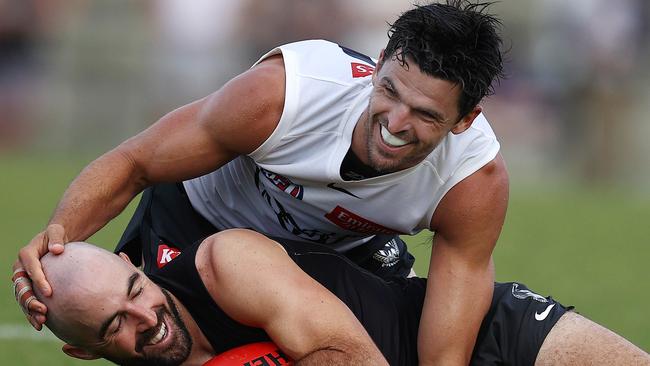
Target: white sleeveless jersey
(291,187)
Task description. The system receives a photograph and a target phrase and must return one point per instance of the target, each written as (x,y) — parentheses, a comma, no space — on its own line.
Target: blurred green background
(77,77)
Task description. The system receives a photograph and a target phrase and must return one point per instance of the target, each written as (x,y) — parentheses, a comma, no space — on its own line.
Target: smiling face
(143,328)
(408,114)
(105,307)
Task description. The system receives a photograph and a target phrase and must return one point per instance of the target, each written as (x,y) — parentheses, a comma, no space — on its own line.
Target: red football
(254,354)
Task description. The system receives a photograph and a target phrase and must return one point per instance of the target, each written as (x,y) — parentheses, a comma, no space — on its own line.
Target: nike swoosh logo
(541,316)
(343,190)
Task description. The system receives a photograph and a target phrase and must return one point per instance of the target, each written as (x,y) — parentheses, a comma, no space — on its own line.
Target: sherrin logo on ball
(254,354)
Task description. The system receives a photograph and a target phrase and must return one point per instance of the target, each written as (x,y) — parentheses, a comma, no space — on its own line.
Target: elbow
(127,163)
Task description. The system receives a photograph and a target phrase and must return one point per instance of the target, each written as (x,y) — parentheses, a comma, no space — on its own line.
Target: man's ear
(78,352)
(467,120)
(378,66)
(125,257)
(381,56)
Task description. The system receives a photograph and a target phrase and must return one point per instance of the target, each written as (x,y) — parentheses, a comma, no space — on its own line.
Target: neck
(201,349)
(358,143)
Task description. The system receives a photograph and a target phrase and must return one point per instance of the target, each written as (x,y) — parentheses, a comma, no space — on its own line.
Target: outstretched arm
(467,224)
(256,283)
(188,142)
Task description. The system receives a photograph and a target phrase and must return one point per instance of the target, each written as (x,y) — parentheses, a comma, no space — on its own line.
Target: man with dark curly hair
(319,143)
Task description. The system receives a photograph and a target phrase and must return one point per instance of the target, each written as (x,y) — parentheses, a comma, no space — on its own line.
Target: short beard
(368,145)
(182,344)
(386,167)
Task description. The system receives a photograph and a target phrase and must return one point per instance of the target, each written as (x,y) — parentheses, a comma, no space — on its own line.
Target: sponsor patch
(348,220)
(361,70)
(166,254)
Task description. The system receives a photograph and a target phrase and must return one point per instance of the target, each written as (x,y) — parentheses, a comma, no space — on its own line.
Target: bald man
(240,287)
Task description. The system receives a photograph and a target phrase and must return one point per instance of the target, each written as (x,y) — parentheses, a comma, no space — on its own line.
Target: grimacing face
(408,114)
(132,321)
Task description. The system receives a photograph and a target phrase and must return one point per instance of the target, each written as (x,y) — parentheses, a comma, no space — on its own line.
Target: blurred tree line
(79,76)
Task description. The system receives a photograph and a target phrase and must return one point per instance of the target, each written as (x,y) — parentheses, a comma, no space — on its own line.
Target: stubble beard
(182,342)
(377,159)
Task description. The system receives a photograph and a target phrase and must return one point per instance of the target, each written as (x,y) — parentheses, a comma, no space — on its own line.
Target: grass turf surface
(586,247)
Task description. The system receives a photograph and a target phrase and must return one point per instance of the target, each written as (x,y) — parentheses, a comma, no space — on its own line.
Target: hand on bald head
(81,279)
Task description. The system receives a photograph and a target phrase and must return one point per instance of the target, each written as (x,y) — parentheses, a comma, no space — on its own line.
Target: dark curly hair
(457,41)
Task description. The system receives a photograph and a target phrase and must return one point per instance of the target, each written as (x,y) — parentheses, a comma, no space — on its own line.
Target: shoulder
(223,254)
(490,181)
(245,111)
(239,267)
(481,197)
(265,81)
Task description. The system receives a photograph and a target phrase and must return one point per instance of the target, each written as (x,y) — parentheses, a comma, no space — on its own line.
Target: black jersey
(181,278)
(389,310)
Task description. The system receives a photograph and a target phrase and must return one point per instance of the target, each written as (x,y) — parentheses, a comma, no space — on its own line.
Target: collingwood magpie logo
(524,294)
(388,256)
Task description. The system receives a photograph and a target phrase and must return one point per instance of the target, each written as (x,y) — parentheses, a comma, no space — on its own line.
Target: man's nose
(399,118)
(145,317)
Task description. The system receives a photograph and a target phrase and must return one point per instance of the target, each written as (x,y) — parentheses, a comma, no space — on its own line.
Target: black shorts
(512,331)
(515,326)
(165,223)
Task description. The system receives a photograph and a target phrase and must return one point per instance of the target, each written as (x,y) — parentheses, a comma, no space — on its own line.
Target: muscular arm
(467,223)
(256,283)
(188,142)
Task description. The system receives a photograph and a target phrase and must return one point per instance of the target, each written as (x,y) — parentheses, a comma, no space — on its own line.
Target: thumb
(56,238)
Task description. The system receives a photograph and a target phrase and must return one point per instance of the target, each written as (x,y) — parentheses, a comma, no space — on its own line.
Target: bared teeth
(391,139)
(160,335)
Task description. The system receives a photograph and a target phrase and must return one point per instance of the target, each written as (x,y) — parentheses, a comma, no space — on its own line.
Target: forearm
(454,307)
(98,194)
(467,223)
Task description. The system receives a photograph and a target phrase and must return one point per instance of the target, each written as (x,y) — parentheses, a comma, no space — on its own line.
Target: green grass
(30,190)
(587,248)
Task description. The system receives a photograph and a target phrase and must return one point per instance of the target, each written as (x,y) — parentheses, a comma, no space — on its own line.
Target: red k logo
(361,70)
(166,254)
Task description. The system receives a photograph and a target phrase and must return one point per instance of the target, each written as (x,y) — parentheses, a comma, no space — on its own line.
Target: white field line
(24,332)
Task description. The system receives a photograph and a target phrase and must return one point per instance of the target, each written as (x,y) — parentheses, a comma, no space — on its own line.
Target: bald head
(102,306)
(81,279)
(77,257)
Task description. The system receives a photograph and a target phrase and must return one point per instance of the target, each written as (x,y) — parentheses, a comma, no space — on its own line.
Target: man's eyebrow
(130,283)
(132,279)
